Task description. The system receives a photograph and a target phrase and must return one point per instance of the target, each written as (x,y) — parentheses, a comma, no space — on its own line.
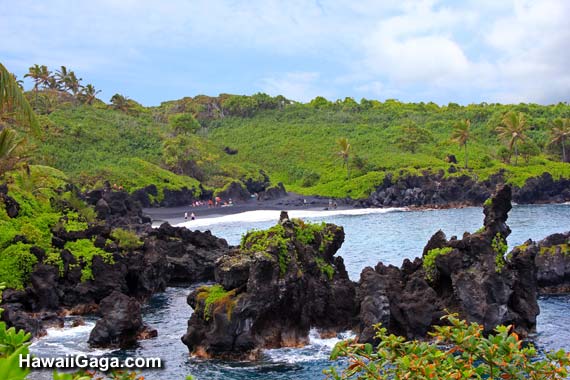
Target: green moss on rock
(429,260)
(216,296)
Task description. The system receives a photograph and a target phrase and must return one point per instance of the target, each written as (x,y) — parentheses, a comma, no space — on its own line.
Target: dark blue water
(388,237)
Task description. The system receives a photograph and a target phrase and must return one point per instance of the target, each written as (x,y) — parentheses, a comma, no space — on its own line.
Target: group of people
(215,202)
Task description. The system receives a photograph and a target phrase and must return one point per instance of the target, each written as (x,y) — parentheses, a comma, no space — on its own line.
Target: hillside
(297,144)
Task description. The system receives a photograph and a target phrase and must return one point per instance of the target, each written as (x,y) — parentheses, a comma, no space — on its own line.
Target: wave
(317,349)
(66,341)
(273,215)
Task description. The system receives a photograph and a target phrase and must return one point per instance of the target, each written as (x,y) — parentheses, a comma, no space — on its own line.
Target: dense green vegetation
(459,351)
(341,148)
(298,145)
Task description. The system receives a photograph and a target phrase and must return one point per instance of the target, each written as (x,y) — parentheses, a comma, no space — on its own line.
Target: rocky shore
(439,191)
(272,289)
(286,280)
(158,258)
(281,282)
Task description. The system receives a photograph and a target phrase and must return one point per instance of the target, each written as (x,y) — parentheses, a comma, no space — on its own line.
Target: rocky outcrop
(543,189)
(271,291)
(190,255)
(437,190)
(10,204)
(165,255)
(272,193)
(121,322)
(552,261)
(470,276)
(256,186)
(235,191)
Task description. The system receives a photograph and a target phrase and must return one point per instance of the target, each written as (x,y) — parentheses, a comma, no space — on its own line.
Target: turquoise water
(389,237)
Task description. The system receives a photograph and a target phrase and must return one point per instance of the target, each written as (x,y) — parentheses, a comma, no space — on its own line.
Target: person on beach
(192,216)
(186,215)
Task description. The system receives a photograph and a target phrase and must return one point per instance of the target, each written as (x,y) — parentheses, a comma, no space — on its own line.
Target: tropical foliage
(459,351)
(560,134)
(461,133)
(513,130)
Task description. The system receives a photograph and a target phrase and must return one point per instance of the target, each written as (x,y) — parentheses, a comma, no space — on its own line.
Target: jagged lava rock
(552,261)
(470,276)
(278,285)
(120,324)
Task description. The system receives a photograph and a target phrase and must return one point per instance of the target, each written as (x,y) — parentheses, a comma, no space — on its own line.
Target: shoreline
(291,202)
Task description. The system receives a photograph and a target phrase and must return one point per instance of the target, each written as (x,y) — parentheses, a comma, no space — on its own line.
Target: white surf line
(273,215)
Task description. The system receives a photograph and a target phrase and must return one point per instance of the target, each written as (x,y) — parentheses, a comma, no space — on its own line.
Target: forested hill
(341,148)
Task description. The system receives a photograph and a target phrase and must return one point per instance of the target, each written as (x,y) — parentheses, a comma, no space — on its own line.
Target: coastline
(290,202)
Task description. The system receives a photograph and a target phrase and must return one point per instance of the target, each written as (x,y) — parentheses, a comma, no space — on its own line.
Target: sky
(470,51)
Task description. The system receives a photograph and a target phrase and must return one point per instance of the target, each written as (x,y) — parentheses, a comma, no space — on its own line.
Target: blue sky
(426,50)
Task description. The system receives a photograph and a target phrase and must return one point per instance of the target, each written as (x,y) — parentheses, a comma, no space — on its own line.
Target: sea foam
(269,215)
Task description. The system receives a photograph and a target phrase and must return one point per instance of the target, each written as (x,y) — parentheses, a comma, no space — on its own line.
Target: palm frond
(12,99)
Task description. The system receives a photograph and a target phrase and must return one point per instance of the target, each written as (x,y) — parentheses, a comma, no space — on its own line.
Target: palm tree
(34,72)
(120,102)
(89,93)
(73,83)
(461,134)
(61,76)
(52,83)
(512,130)
(13,103)
(560,133)
(44,76)
(344,153)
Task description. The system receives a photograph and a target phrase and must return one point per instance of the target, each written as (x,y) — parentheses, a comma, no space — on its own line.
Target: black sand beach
(175,215)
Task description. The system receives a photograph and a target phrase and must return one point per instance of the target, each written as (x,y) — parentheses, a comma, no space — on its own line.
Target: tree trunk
(563,152)
(516,154)
(466,158)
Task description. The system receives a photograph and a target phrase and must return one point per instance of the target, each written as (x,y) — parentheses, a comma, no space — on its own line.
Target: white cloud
(299,86)
(476,50)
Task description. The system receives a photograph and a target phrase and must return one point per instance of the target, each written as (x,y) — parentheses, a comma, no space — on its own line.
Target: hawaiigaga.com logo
(81,361)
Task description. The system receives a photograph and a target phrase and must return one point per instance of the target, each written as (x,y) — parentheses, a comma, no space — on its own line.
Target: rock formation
(163,256)
(552,261)
(271,291)
(471,276)
(121,322)
(437,190)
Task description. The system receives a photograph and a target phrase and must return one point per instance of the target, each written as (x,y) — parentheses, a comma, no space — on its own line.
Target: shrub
(273,238)
(459,351)
(84,251)
(499,245)
(16,264)
(127,240)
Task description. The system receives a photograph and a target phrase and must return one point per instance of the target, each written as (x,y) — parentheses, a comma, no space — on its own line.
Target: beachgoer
(186,215)
(334,205)
(192,216)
